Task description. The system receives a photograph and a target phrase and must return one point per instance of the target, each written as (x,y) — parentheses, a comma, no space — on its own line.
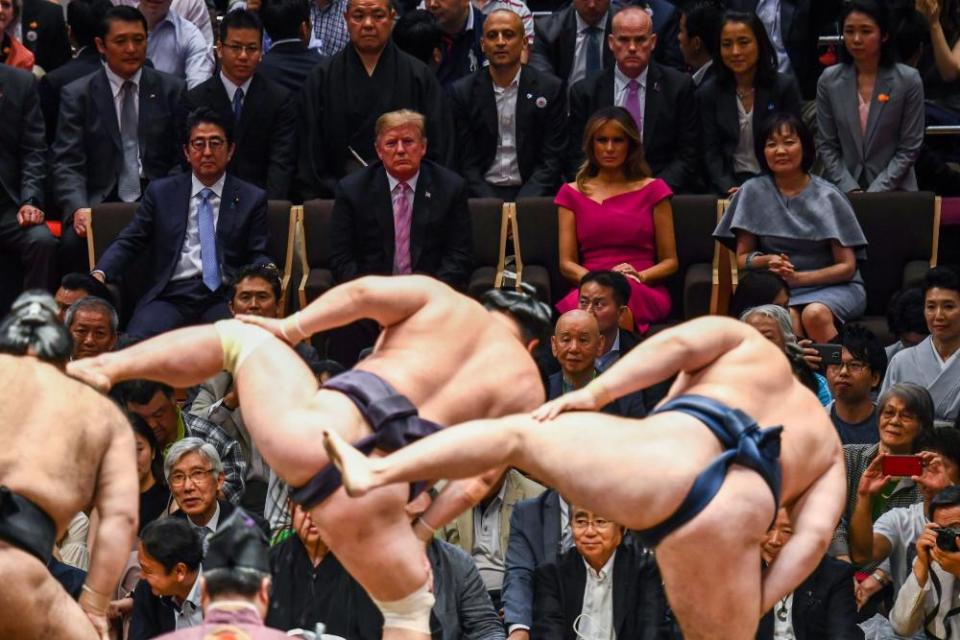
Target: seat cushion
(539,277)
(697,287)
(481,281)
(318,282)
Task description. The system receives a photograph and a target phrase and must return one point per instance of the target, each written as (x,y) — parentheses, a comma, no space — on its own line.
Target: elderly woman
(12,51)
(800,227)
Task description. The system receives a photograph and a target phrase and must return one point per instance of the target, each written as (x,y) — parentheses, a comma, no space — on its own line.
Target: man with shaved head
(660,99)
(497,161)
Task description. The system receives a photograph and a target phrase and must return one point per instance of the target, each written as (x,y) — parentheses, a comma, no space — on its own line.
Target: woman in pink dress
(616,216)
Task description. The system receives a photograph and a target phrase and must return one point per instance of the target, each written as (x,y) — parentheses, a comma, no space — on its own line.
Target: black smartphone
(829,353)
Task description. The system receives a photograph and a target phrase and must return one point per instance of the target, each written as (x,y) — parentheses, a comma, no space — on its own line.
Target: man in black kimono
(347,92)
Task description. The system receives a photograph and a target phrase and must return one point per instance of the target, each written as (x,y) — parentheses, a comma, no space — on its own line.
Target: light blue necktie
(208,242)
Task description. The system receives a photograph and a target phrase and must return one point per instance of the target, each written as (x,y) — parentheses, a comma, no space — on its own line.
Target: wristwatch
(879,577)
(749,262)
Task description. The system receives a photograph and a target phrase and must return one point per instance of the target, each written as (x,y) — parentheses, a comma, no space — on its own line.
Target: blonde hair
(635,165)
(399,118)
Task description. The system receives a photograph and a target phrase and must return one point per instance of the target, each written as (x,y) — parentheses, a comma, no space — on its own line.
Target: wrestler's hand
(100,624)
(579,400)
(90,372)
(285,329)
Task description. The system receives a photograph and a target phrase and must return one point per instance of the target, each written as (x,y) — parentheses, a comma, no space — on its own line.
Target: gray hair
(916,398)
(777,313)
(93,303)
(191,445)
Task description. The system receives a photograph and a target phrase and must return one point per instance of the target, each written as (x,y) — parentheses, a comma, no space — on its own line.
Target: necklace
(744,94)
(782,609)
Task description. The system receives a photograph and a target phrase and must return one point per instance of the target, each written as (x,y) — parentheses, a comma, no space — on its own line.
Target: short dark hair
(766,55)
(93,303)
(33,325)
(879,13)
(239,581)
(944,441)
(142,391)
(941,278)
(612,280)
(262,271)
(282,18)
(418,33)
(170,541)
(754,289)
(911,33)
(703,21)
(85,18)
(206,115)
(947,497)
(776,122)
(240,19)
(121,13)
(905,312)
(86,282)
(864,346)
(533,316)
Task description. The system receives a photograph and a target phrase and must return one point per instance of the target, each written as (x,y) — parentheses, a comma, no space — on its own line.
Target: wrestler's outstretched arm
(814,516)
(456,497)
(687,347)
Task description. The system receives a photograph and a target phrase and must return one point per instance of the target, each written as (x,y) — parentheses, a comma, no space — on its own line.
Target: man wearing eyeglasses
(852,382)
(198,228)
(263,113)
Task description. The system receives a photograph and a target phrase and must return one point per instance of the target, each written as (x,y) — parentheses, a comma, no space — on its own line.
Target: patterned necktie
(402,216)
(208,242)
(128,186)
(593,50)
(633,104)
(237,104)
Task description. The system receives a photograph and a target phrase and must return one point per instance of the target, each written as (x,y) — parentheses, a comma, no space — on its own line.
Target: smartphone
(902,466)
(829,353)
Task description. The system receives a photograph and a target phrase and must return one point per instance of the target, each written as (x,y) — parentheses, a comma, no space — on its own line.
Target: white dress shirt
(505,169)
(744,157)
(621,90)
(596,618)
(578,70)
(190,263)
(176,46)
(232,88)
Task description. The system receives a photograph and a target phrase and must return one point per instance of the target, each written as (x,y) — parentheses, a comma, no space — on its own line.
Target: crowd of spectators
(400,113)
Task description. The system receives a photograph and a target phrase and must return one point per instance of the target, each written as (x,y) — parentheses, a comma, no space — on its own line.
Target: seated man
(934,363)
(197,227)
(194,472)
(175,45)
(699,37)
(521,154)
(577,344)
(852,384)
(626,467)
(168,594)
(373,538)
(93,323)
(76,286)
(605,587)
(264,114)
(822,606)
(155,403)
(569,43)
(116,131)
(462,27)
(484,530)
(605,294)
(235,584)
(930,593)
(289,60)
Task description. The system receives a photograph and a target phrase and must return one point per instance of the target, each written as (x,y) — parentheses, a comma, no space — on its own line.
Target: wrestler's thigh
(33,605)
(373,539)
(711,565)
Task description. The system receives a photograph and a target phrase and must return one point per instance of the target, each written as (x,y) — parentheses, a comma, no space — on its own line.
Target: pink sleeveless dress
(620,229)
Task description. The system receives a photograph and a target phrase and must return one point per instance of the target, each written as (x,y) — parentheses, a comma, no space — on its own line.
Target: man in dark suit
(461,52)
(605,587)
(699,38)
(509,119)
(44,32)
(85,18)
(605,294)
(113,137)
(660,99)
(289,60)
(23,168)
(263,114)
(569,43)
(347,92)
(199,228)
(666,24)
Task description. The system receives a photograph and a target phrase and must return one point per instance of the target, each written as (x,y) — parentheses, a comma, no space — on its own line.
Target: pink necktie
(402,215)
(633,104)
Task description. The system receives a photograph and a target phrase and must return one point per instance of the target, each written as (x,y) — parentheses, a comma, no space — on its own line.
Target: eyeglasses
(854,367)
(215,144)
(197,477)
(237,49)
(582,524)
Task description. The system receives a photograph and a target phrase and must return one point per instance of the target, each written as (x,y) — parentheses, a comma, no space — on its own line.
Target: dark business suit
(555,43)
(265,137)
(666,24)
(288,64)
(152,616)
(629,406)
(44,32)
(23,169)
(86,62)
(538,122)
(362,233)
(639,602)
(823,606)
(670,123)
(159,228)
(226,510)
(720,123)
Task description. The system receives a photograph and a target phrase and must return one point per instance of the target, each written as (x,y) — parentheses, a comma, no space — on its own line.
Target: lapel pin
(529,95)
(883,98)
(541,102)
(426,194)
(32,36)
(33,24)
(656,86)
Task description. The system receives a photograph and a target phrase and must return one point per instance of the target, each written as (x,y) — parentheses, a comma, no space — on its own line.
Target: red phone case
(903,466)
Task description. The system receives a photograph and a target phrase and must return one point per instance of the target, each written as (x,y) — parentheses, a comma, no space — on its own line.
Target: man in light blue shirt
(175,45)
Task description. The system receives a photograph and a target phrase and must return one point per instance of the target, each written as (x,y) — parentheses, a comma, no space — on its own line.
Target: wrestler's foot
(353,465)
(90,371)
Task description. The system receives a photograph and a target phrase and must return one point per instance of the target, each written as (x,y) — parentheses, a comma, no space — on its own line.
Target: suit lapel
(486,102)
(527,96)
(179,200)
(567,44)
(653,103)
(148,106)
(102,95)
(552,527)
(850,105)
(229,202)
(882,87)
(252,105)
(787,11)
(422,207)
(575,581)
(621,588)
(727,115)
